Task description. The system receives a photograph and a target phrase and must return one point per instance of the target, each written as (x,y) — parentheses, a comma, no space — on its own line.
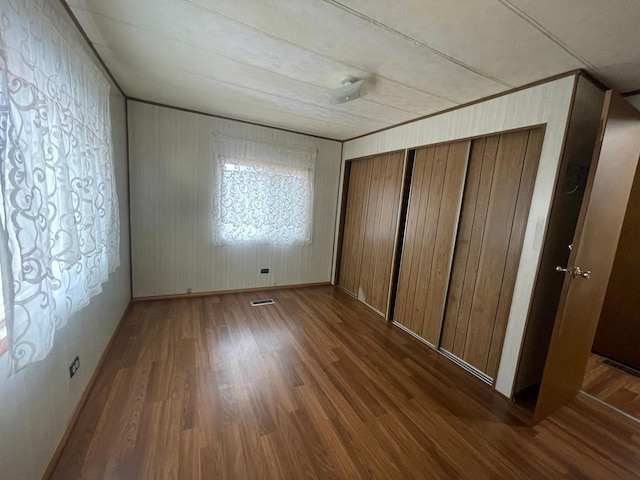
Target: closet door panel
(467,254)
(495,208)
(447,225)
(370,238)
(495,244)
(463,243)
(370,229)
(388,229)
(432,217)
(525,194)
(352,244)
(414,230)
(430,208)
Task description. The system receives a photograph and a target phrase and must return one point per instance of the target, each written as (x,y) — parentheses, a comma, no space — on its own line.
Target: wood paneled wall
(492,223)
(370,229)
(437,184)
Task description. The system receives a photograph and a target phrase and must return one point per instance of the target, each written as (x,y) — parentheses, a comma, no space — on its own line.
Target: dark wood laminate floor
(614,386)
(319,387)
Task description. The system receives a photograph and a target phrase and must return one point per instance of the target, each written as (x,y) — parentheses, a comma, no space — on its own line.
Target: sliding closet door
(495,207)
(437,184)
(370,229)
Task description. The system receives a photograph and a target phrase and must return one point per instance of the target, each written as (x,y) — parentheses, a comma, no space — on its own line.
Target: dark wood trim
(73,420)
(490,97)
(342,211)
(596,81)
(91,46)
(222,117)
(544,236)
(631,93)
(228,292)
(526,394)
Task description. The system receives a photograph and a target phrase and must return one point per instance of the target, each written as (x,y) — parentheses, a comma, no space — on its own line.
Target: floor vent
(257,303)
(621,367)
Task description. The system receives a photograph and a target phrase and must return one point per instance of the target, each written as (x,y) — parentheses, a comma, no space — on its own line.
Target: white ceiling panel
(483,35)
(269,61)
(604,34)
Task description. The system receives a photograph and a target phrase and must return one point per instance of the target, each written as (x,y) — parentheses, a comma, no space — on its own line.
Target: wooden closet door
(495,208)
(434,204)
(371,225)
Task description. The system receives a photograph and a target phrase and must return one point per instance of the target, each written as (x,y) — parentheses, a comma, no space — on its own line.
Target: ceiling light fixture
(350,90)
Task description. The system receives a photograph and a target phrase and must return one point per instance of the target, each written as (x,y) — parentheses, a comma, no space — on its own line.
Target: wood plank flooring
(616,387)
(316,386)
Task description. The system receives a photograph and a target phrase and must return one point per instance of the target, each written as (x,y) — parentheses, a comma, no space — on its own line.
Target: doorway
(590,266)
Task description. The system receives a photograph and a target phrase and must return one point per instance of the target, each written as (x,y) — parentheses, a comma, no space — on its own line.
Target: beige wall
(36,403)
(547,103)
(171,187)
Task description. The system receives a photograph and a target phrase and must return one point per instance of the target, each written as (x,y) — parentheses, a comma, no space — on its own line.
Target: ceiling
(269,61)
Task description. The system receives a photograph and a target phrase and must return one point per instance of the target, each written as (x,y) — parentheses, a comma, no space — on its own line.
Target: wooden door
(437,183)
(594,247)
(370,229)
(495,208)
(618,333)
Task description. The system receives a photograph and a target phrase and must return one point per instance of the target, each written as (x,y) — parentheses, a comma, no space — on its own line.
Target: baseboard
(83,400)
(228,292)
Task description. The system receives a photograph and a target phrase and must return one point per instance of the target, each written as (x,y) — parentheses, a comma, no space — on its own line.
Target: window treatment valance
(60,216)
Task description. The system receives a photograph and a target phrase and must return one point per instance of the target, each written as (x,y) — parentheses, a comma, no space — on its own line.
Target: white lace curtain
(60,222)
(263,192)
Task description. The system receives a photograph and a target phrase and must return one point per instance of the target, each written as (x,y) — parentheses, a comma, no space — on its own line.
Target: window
(59,205)
(263,193)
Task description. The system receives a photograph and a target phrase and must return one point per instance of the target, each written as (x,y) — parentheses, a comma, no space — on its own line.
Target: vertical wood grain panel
(492,223)
(352,244)
(389,209)
(525,192)
(447,226)
(371,233)
(432,218)
(373,201)
(463,242)
(414,226)
(495,243)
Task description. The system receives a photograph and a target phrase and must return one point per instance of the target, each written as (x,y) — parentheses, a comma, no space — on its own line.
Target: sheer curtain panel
(60,220)
(263,192)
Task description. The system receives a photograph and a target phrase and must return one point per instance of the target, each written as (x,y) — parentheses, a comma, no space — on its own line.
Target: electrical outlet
(264,270)
(75,365)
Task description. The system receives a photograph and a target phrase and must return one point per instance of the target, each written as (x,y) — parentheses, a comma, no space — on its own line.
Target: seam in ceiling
(306,49)
(221,55)
(415,41)
(263,92)
(538,26)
